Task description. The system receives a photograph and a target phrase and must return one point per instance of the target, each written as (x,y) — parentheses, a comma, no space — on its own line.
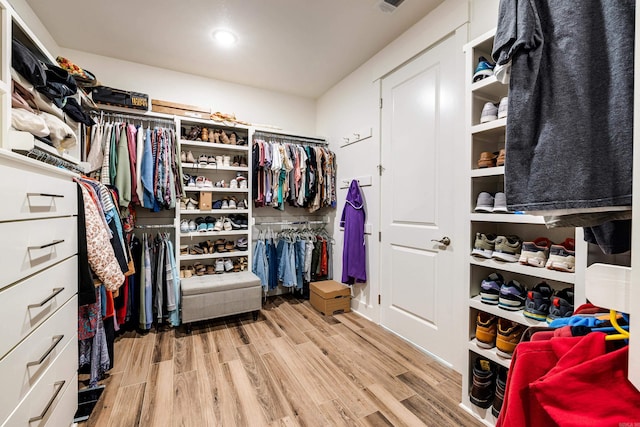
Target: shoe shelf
(508,218)
(494,171)
(214,167)
(489,129)
(230,254)
(514,316)
(489,88)
(489,353)
(193,234)
(207,278)
(216,190)
(527,270)
(213,145)
(213,211)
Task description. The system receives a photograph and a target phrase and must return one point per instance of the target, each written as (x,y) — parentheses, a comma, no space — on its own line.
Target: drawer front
(54,398)
(30,193)
(32,301)
(29,363)
(30,246)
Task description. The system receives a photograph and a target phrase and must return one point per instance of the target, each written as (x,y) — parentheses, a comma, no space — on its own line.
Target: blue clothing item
(575,321)
(281,247)
(290,271)
(174,310)
(260,266)
(148,289)
(300,248)
(354,253)
(272,260)
(147,172)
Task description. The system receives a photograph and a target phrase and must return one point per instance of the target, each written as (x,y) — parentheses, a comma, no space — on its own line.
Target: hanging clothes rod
(290,138)
(143,118)
(155,226)
(291,222)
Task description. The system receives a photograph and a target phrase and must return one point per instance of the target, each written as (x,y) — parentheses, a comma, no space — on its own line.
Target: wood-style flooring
(291,367)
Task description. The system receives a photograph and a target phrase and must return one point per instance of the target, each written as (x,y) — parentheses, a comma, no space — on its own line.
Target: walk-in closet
(364,213)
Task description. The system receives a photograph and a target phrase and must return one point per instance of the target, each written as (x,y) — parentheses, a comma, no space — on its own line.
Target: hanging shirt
(354,257)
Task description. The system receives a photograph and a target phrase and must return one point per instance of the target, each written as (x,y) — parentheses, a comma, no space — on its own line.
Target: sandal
(200,269)
(236,265)
(194,133)
(216,136)
(487,159)
(204,135)
(218,226)
(236,161)
(501,158)
(224,138)
(226,224)
(211,269)
(243,162)
(184,249)
(189,272)
(204,246)
(221,246)
(230,246)
(233,139)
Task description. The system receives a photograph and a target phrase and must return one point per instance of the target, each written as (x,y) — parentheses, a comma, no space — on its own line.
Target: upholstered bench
(211,296)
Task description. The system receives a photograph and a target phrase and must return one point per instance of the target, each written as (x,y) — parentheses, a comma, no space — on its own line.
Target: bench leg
(255,315)
(188,328)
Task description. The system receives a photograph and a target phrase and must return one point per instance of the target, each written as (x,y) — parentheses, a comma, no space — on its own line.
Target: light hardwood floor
(291,367)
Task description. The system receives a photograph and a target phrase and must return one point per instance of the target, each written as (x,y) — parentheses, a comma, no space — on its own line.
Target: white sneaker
(219,160)
(233,184)
(192,225)
(503,107)
(184,226)
(228,265)
(218,225)
(489,112)
(226,161)
(225,204)
(232,204)
(219,266)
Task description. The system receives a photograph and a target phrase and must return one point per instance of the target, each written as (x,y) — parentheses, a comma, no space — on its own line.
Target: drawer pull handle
(45,195)
(59,385)
(55,242)
(57,339)
(56,291)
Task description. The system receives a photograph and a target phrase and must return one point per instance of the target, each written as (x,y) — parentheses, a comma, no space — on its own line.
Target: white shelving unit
(490,136)
(215,173)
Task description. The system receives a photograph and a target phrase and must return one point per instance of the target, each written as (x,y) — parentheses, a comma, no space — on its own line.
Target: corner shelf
(230,254)
(527,270)
(508,218)
(489,353)
(494,171)
(496,127)
(514,316)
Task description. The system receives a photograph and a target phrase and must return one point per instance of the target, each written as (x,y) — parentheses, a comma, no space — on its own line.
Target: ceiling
(301,47)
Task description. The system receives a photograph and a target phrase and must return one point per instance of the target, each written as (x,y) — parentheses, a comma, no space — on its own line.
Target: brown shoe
(509,335)
(486,330)
(487,159)
(500,159)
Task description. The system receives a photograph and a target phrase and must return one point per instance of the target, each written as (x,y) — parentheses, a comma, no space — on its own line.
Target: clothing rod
(290,222)
(155,226)
(116,115)
(286,137)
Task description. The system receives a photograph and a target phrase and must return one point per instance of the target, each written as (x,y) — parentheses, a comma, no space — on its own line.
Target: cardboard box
(205,200)
(174,108)
(330,297)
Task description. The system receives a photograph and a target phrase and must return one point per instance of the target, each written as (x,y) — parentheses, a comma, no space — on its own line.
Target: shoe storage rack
(486,140)
(214,232)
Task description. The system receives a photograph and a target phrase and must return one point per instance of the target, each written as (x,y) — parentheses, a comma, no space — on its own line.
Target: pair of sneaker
(542,252)
(489,382)
(223,265)
(491,111)
(203,182)
(509,296)
(493,331)
(188,226)
(503,248)
(543,303)
(491,204)
(187,157)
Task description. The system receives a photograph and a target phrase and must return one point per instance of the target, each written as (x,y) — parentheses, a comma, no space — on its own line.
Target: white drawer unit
(26,364)
(32,301)
(53,398)
(30,246)
(30,193)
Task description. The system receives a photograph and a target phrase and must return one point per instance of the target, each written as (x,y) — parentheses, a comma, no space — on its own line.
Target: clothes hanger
(622,334)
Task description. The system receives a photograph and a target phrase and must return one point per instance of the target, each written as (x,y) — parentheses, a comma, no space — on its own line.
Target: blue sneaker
(512,296)
(484,69)
(561,305)
(538,302)
(490,288)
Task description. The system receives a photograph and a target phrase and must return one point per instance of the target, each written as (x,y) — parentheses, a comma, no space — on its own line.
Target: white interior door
(423,107)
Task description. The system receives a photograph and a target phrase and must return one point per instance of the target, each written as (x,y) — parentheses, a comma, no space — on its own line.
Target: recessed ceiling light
(225,38)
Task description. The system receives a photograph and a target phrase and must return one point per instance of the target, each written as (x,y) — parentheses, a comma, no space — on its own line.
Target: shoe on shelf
(509,335)
(233,203)
(242,204)
(192,226)
(224,138)
(484,202)
(210,223)
(225,204)
(233,138)
(236,161)
(218,225)
(192,204)
(233,184)
(561,305)
(535,253)
(204,135)
(501,157)
(489,112)
(483,384)
(217,204)
(219,160)
(219,266)
(242,244)
(202,224)
(490,288)
(190,158)
(486,330)
(226,224)
(183,157)
(503,107)
(243,183)
(200,181)
(211,269)
(230,246)
(512,296)
(234,223)
(507,248)
(484,245)
(243,161)
(483,70)
(538,302)
(562,257)
(202,160)
(207,183)
(501,386)
(184,226)
(226,161)
(221,245)
(487,159)
(211,161)
(183,203)
(228,265)
(500,203)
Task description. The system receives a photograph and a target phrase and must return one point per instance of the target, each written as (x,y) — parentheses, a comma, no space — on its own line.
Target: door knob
(445,241)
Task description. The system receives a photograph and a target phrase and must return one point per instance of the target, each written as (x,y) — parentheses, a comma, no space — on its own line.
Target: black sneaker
(538,301)
(512,296)
(483,386)
(561,305)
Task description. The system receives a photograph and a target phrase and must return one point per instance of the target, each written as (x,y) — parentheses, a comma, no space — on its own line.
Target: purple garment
(354,260)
